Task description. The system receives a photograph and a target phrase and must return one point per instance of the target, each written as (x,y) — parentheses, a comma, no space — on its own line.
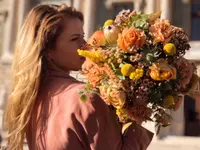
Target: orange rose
(160,31)
(113,96)
(162,71)
(131,39)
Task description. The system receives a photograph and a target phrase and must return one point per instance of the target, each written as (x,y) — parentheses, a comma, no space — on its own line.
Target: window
(195,21)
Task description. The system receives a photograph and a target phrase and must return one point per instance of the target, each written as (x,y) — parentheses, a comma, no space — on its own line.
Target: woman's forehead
(73,26)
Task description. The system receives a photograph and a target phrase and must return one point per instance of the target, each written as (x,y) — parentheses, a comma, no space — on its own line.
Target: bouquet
(136,64)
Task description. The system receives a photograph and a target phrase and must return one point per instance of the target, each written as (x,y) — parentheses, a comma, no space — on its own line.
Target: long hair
(38,34)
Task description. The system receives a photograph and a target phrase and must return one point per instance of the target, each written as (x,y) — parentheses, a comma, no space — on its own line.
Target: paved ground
(173,142)
(176,143)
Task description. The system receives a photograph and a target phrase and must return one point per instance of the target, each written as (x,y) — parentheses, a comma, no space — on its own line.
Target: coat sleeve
(136,138)
(93,127)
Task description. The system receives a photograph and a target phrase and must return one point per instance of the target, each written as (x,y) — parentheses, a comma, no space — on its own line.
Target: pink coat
(61,121)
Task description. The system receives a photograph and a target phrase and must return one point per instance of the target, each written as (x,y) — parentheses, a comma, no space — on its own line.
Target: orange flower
(95,73)
(92,71)
(161,31)
(131,39)
(113,96)
(162,71)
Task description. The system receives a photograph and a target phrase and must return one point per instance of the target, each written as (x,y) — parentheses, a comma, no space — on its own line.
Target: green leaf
(121,77)
(103,75)
(84,98)
(137,23)
(146,26)
(140,21)
(113,66)
(156,96)
(118,71)
(166,87)
(125,56)
(121,65)
(150,57)
(80,92)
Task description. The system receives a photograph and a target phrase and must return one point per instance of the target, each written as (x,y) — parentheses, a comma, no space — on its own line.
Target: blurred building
(182,13)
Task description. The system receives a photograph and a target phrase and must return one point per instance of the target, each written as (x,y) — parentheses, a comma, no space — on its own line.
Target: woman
(44,106)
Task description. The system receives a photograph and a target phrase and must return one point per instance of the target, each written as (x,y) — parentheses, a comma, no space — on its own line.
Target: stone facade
(13,12)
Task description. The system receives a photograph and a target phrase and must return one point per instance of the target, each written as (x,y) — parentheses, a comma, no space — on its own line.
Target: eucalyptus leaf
(118,72)
(140,21)
(125,56)
(145,16)
(146,26)
(113,66)
(80,92)
(155,96)
(121,77)
(137,23)
(157,54)
(121,65)
(166,87)
(84,98)
(103,75)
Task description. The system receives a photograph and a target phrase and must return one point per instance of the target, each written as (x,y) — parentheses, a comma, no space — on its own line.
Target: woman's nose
(83,42)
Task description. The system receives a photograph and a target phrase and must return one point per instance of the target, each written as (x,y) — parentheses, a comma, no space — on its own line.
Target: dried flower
(160,31)
(180,39)
(186,70)
(123,18)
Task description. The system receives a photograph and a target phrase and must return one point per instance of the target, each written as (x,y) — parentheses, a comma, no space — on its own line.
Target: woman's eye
(74,39)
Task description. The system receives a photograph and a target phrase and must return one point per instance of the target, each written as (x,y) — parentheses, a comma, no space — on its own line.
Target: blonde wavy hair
(38,34)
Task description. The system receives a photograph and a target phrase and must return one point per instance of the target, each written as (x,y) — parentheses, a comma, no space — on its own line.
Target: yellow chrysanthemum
(122,114)
(137,74)
(94,56)
(127,69)
(169,49)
